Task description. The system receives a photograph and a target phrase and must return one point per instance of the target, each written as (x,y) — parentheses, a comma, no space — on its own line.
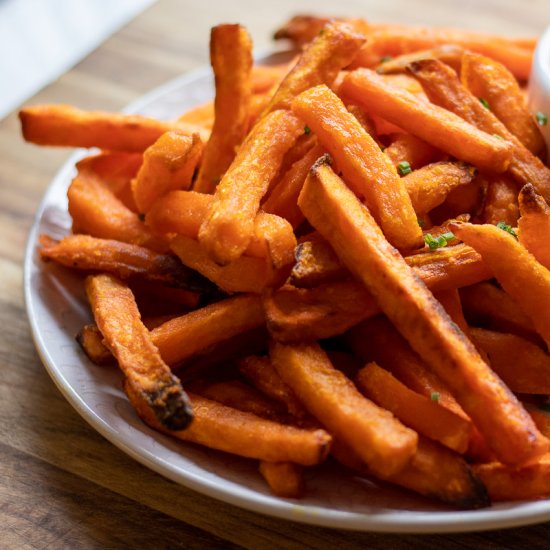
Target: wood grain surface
(61,484)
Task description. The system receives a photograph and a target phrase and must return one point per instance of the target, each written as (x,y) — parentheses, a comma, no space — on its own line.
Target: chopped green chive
(141,217)
(420,222)
(507,228)
(386,58)
(404,168)
(307,130)
(542,119)
(435,396)
(498,137)
(484,102)
(438,242)
(321,32)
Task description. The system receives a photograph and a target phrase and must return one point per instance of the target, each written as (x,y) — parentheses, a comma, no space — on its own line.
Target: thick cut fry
(168,164)
(375,435)
(245,274)
(429,186)
(316,263)
(409,148)
(320,63)
(97,212)
(337,214)
(439,127)
(283,199)
(229,225)
(450,54)
(126,261)
(68,126)
(91,342)
(489,306)
(523,366)
(534,224)
(182,337)
(261,373)
(492,81)
(183,212)
(242,433)
(147,375)
(501,201)
(231,59)
(434,471)
(443,88)
(422,414)
(517,271)
(285,479)
(301,29)
(506,483)
(367,170)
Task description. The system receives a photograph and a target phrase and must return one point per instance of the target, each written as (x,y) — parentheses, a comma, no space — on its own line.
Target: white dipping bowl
(539,83)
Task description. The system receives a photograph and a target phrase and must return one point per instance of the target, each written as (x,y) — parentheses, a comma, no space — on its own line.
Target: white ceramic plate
(57,309)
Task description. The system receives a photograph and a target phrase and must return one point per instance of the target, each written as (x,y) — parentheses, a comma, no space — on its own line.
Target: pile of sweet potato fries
(344,256)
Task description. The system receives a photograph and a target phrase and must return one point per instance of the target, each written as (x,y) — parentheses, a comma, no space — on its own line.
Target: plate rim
(406,522)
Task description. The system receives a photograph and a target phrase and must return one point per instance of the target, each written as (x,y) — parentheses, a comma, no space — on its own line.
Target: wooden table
(63,485)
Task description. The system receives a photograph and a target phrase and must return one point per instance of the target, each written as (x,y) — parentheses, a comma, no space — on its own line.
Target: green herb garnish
(435,395)
(542,119)
(508,228)
(404,168)
(498,137)
(438,242)
(307,130)
(484,102)
(420,222)
(386,58)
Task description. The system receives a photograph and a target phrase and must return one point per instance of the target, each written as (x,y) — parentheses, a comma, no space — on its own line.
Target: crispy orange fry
(373,433)
(183,212)
(450,54)
(422,414)
(434,471)
(285,479)
(409,148)
(97,212)
(182,337)
(518,272)
(534,224)
(492,81)
(126,261)
(68,126)
(229,226)
(367,170)
(501,201)
(231,59)
(91,342)
(523,366)
(439,127)
(201,115)
(429,186)
(337,214)
(320,63)
(444,88)
(506,483)
(168,164)
(146,374)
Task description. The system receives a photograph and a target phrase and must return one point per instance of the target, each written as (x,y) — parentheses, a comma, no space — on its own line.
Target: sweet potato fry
(245,274)
(408,148)
(229,225)
(523,366)
(422,414)
(90,340)
(261,373)
(507,483)
(168,164)
(492,81)
(231,59)
(534,224)
(429,186)
(63,125)
(97,212)
(517,271)
(488,306)
(182,337)
(126,261)
(320,63)
(337,214)
(226,429)
(146,374)
(373,433)
(367,170)
(285,479)
(501,201)
(301,29)
(439,127)
(201,115)
(450,54)
(434,471)
(443,88)
(265,77)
